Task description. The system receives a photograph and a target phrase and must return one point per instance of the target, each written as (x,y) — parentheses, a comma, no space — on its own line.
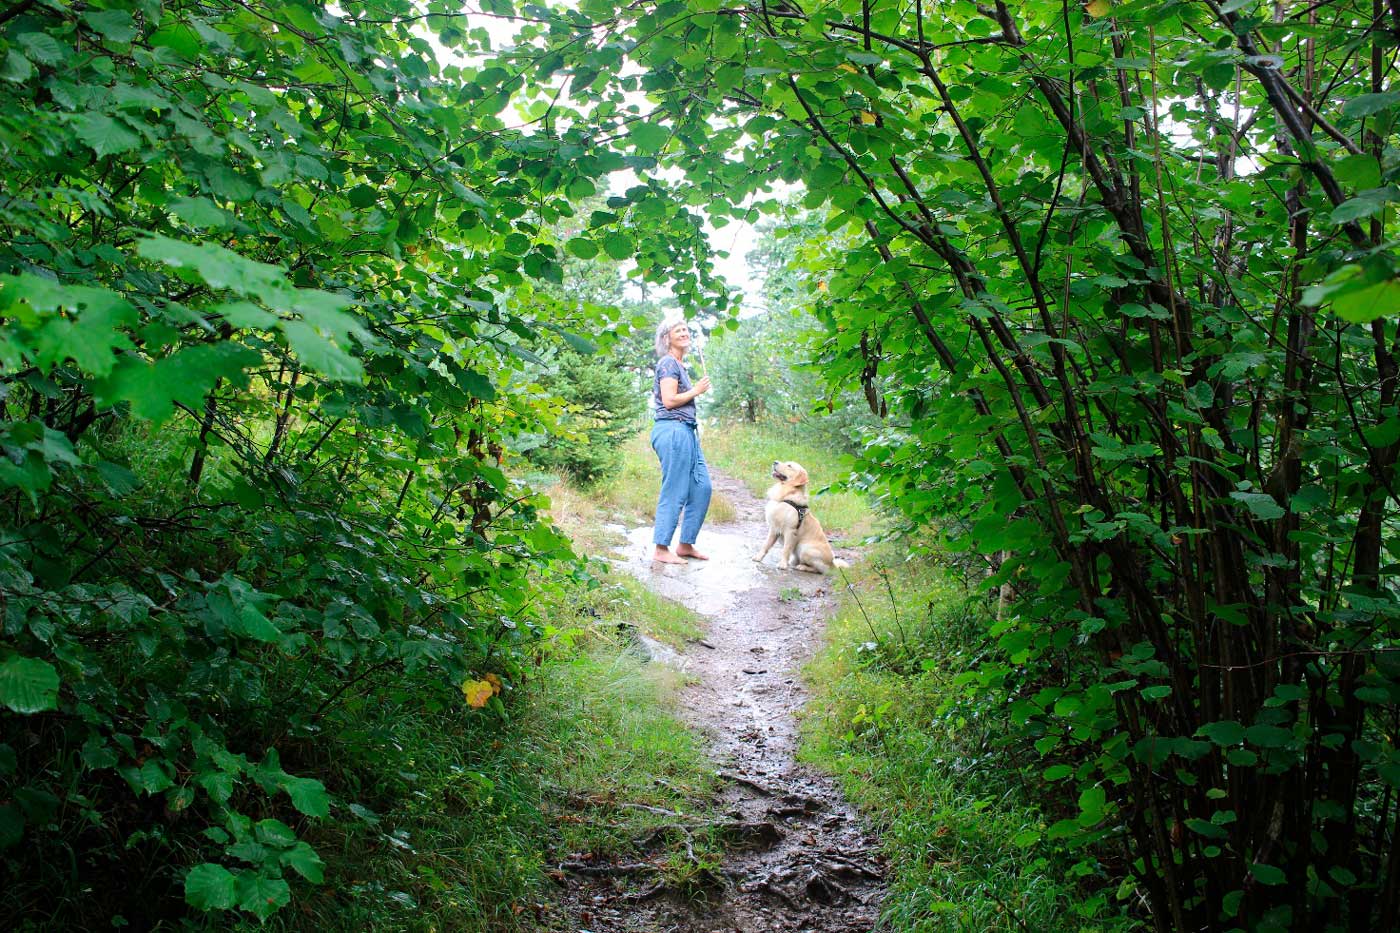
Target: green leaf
(250,623)
(81,323)
(1026,838)
(11,825)
(17,68)
(1266,736)
(308,795)
(184,378)
(1365,305)
(117,478)
(579,344)
(202,213)
(648,138)
(43,48)
(28,685)
(262,896)
(114,25)
(322,337)
(618,246)
(180,38)
(244,314)
(1356,208)
(215,266)
(1206,828)
(211,887)
(1267,874)
(362,196)
(1364,105)
(104,135)
(275,833)
(582,247)
(1260,505)
(1093,802)
(149,778)
(1224,733)
(1360,171)
(304,861)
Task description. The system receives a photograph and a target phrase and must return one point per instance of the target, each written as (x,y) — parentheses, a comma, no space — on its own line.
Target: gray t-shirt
(668,367)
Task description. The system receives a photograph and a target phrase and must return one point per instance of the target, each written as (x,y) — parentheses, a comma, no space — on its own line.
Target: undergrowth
(590,764)
(925,763)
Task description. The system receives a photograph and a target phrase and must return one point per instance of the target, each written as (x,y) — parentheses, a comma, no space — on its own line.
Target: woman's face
(680,337)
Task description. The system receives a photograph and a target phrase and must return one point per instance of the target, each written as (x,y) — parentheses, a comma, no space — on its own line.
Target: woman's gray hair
(663,336)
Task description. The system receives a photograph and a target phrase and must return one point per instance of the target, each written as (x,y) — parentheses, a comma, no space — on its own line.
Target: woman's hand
(701,387)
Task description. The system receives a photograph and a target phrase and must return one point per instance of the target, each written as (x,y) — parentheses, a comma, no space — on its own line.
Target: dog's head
(789,473)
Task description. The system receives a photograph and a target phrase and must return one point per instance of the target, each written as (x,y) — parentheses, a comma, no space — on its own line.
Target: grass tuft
(591,763)
(961,831)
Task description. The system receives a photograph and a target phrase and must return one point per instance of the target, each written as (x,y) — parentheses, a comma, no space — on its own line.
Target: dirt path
(801,862)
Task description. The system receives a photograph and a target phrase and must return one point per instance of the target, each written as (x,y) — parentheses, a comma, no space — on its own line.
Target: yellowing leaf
(822,287)
(477,692)
(867,117)
(495,683)
(846,66)
(1097,8)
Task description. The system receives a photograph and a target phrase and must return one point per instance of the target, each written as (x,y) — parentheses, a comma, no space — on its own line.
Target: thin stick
(704,370)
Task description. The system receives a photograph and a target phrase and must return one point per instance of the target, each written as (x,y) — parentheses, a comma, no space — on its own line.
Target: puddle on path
(802,861)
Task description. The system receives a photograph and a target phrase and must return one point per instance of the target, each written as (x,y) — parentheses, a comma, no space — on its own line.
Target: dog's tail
(839,562)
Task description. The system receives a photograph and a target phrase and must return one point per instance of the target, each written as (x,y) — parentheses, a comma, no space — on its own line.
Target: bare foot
(688,550)
(663,555)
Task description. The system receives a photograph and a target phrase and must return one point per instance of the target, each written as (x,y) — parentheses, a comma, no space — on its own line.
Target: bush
(603,408)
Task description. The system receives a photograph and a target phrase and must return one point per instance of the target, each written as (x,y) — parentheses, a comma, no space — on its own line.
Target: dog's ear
(799,476)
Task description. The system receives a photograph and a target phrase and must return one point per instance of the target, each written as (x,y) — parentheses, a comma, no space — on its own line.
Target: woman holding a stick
(685,480)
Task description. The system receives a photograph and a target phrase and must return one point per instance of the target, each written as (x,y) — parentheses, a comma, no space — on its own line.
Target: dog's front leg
(767,545)
(789,549)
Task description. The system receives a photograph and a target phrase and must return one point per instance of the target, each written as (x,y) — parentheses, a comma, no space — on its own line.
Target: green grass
(625,599)
(747,451)
(926,767)
(591,763)
(587,759)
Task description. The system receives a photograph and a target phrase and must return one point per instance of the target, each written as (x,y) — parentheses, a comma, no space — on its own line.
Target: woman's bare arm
(671,397)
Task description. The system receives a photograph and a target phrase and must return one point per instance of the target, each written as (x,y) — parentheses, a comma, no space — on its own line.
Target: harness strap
(801,510)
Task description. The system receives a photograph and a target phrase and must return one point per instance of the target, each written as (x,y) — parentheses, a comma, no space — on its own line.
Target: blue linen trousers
(685,481)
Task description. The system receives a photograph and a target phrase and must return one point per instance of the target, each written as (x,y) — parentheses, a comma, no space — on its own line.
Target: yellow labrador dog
(804,542)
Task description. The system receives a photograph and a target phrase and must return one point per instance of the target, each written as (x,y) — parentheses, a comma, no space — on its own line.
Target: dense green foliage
(270,279)
(1124,277)
(275,279)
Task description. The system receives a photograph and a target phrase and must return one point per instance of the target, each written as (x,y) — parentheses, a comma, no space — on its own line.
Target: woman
(685,480)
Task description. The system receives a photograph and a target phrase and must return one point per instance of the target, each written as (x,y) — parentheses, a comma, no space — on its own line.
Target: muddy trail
(798,859)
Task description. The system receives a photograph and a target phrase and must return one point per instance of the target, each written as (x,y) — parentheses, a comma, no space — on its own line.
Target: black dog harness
(801,510)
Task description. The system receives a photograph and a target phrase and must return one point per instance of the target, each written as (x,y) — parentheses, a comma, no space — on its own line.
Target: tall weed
(925,760)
